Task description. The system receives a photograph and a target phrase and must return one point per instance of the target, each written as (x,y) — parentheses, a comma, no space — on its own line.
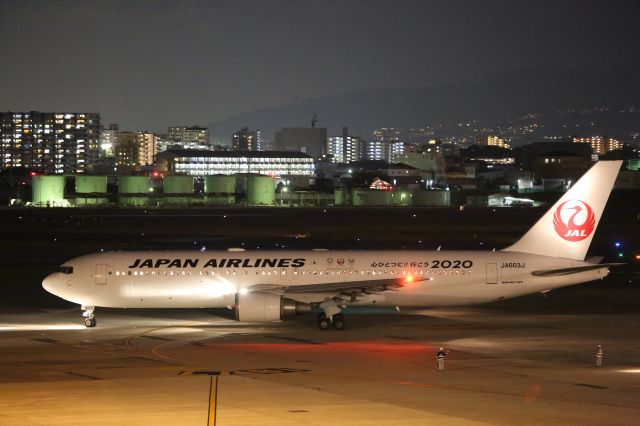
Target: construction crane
(314,117)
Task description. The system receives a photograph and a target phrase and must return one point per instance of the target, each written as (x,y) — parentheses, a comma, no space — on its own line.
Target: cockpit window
(66,269)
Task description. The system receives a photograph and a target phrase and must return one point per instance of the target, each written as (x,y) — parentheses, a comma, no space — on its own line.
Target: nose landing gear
(89,317)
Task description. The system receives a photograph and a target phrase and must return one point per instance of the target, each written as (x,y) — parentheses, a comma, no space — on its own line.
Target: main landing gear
(89,317)
(336,321)
(330,316)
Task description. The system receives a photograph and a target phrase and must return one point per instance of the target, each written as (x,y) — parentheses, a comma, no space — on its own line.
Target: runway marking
(45,340)
(587,385)
(294,339)
(143,358)
(84,376)
(154,354)
(401,337)
(272,370)
(157,338)
(418,385)
(206,373)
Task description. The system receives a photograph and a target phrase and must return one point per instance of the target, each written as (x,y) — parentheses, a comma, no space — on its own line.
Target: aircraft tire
(323,322)
(338,322)
(90,322)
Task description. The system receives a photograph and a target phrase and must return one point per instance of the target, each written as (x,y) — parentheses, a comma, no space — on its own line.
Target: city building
(386,134)
(560,165)
(308,140)
(108,140)
(134,150)
(245,140)
(163,143)
(189,135)
(490,140)
(411,136)
(433,145)
(146,148)
(382,150)
(527,155)
(600,144)
(488,155)
(343,149)
(204,163)
(50,142)
(431,162)
(126,152)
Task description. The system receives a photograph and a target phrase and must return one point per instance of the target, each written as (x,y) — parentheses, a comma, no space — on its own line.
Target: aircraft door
(295,272)
(492,273)
(101,274)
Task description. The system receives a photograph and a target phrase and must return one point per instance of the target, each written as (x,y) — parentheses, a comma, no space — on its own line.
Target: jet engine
(265,307)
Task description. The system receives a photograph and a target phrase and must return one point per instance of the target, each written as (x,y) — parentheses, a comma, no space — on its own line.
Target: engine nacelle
(265,307)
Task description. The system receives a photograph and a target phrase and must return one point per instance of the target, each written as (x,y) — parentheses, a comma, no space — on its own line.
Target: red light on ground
(33,174)
(155,174)
(637,257)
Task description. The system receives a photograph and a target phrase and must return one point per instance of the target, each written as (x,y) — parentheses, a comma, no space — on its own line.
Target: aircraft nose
(49,284)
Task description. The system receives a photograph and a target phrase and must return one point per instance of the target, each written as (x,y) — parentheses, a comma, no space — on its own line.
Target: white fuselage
(185,279)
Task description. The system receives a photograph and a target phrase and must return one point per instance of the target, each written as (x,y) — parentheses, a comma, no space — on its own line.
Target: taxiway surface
(525,362)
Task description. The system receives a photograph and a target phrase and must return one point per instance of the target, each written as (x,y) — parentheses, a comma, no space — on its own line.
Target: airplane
(263,286)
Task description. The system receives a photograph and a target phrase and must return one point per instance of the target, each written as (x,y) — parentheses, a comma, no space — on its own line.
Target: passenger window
(66,270)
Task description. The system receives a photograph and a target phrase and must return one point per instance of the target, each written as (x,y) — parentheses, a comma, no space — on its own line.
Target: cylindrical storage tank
(91,190)
(340,197)
(368,197)
(91,184)
(134,191)
(261,190)
(220,189)
(220,184)
(178,190)
(432,198)
(133,185)
(178,185)
(48,191)
(401,197)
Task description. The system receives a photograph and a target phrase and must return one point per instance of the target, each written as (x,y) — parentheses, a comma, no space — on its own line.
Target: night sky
(151,64)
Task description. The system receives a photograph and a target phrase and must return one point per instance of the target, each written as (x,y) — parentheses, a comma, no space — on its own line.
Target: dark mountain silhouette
(559,97)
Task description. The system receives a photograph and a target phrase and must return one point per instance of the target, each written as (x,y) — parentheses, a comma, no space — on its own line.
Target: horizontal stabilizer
(573,270)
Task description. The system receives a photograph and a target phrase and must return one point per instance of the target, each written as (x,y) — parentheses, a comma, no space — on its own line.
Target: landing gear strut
(89,317)
(331,316)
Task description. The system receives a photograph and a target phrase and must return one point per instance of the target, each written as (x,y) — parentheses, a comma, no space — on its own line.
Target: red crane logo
(574,220)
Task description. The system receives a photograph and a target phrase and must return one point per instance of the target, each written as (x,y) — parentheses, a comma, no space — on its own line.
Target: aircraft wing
(572,270)
(368,286)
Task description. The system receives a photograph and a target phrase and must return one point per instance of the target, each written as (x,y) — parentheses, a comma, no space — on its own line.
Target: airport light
(617,244)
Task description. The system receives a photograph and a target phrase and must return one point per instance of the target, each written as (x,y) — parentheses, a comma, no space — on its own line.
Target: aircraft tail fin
(567,228)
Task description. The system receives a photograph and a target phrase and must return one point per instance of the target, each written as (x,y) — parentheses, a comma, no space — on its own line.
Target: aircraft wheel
(338,322)
(90,322)
(323,322)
